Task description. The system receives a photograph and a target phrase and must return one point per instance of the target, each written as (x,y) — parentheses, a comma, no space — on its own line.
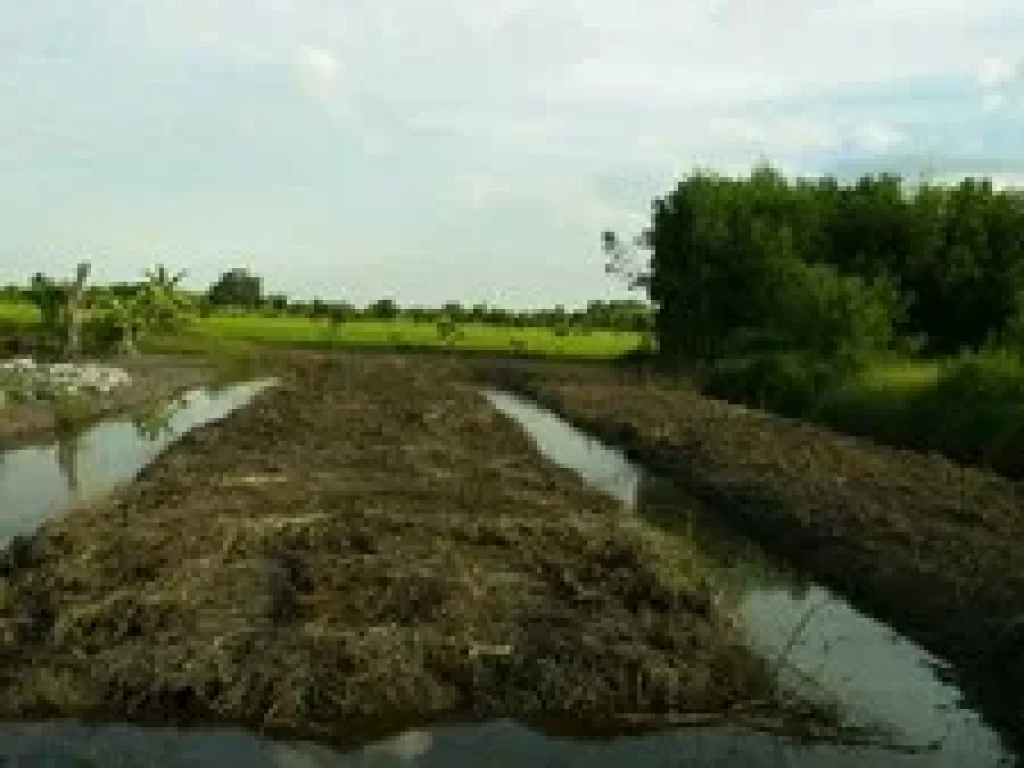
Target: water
(39,482)
(830,649)
(500,744)
(878,676)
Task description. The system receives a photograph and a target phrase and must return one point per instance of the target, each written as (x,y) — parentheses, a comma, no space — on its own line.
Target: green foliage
(220,331)
(833,315)
(157,305)
(791,383)
(50,298)
(829,269)
(383,309)
(989,375)
(237,287)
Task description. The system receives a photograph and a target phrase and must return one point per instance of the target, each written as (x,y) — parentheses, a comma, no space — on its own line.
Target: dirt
(154,380)
(934,548)
(367,541)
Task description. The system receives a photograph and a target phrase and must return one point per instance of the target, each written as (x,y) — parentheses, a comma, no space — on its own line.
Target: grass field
(18,313)
(231,331)
(303,332)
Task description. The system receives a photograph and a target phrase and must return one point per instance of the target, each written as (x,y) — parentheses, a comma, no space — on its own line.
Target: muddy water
(38,482)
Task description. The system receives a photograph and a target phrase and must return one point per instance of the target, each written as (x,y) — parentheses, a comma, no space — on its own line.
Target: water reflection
(40,481)
(500,744)
(822,645)
(155,422)
(67,448)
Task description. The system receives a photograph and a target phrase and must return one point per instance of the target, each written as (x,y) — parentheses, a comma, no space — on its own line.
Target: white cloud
(995,72)
(320,73)
(779,133)
(492,115)
(877,137)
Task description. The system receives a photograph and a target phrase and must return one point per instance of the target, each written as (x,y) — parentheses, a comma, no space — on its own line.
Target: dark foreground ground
(934,548)
(367,540)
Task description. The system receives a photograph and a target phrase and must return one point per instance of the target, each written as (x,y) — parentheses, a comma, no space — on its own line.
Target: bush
(989,376)
(791,383)
(101,334)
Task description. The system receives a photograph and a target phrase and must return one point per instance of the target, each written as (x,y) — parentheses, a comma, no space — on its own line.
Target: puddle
(39,482)
(831,650)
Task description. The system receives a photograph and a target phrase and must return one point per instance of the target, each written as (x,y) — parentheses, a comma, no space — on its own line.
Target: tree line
(837,269)
(242,291)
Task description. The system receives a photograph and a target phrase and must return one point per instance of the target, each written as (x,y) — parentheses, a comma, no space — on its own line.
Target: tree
(319,309)
(157,305)
(237,288)
(739,264)
(383,309)
(454,311)
(625,259)
(62,308)
(478,313)
(278,302)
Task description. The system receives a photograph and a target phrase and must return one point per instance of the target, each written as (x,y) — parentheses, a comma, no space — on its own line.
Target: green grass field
(18,313)
(241,331)
(318,334)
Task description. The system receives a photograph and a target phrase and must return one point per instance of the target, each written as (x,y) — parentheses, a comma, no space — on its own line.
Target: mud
(934,548)
(368,541)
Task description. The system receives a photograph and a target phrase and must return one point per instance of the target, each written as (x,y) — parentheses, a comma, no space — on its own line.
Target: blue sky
(460,149)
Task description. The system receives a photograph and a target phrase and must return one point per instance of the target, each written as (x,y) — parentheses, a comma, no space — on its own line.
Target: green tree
(158,305)
(383,309)
(237,288)
(278,303)
(62,308)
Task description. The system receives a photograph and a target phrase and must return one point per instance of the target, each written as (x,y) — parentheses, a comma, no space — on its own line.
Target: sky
(429,150)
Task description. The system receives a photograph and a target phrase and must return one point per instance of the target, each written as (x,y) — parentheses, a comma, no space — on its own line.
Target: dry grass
(370,539)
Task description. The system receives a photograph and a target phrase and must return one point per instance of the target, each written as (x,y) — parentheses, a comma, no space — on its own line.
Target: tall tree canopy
(823,266)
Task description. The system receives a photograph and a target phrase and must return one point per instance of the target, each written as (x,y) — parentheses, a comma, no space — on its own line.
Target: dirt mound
(367,539)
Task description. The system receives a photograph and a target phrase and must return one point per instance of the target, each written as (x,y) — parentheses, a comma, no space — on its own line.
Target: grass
(18,313)
(318,334)
(223,333)
(970,408)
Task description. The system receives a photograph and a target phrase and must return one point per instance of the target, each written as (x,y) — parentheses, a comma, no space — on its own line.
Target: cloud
(511,128)
(995,72)
(320,73)
(874,136)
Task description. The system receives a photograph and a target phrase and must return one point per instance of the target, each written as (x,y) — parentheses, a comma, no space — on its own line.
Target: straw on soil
(367,539)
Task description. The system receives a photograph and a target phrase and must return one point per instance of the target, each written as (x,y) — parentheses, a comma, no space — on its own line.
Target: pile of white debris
(25,380)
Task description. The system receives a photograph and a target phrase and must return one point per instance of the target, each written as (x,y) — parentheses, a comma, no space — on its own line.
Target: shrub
(992,375)
(791,383)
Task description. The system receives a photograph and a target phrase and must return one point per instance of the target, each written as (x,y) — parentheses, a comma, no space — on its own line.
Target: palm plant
(157,305)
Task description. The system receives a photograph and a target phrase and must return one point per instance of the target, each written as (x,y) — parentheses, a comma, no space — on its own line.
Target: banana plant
(158,304)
